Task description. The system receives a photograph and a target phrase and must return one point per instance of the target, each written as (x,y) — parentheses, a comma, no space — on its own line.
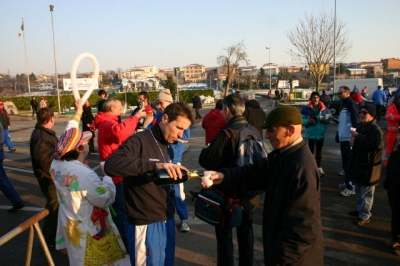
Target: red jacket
(212,123)
(393,118)
(111,134)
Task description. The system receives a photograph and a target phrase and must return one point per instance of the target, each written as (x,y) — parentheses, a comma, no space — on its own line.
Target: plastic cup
(102,164)
(206,179)
(327,116)
(353,129)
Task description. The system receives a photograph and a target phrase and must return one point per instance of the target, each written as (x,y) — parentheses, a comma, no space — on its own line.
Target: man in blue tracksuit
(175,151)
(315,121)
(348,118)
(379,98)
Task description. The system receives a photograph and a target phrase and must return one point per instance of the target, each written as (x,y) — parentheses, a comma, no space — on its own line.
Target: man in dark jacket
(42,144)
(253,113)
(292,229)
(364,168)
(197,105)
(222,152)
(34,106)
(149,206)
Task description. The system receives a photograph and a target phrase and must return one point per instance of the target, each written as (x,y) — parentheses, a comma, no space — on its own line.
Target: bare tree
(234,54)
(313,41)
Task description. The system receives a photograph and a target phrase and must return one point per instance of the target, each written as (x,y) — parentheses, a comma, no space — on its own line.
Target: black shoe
(16,207)
(361,221)
(12,150)
(354,213)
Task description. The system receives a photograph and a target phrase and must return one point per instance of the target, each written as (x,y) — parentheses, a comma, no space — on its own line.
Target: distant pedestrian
(315,121)
(357,98)
(379,98)
(213,122)
(6,186)
(5,122)
(325,98)
(197,105)
(43,103)
(364,167)
(253,113)
(364,92)
(103,97)
(355,89)
(87,123)
(393,123)
(34,106)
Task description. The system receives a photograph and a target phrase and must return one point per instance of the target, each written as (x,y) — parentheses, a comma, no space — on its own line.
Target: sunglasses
(339,93)
(363,112)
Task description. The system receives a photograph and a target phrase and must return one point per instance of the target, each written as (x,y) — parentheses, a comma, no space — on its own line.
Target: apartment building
(193,73)
(140,72)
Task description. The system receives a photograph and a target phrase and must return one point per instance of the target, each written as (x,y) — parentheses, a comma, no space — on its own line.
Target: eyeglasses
(363,112)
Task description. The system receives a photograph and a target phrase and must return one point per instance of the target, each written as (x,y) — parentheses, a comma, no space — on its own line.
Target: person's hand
(8,127)
(216,177)
(141,113)
(173,170)
(311,121)
(354,133)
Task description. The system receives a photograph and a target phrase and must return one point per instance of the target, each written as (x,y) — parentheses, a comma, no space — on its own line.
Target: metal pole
(269,65)
(26,60)
(55,59)
(334,51)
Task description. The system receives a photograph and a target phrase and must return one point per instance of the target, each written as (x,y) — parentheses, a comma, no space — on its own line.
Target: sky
(125,33)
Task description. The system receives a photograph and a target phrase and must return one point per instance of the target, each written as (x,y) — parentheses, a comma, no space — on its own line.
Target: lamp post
(269,65)
(55,60)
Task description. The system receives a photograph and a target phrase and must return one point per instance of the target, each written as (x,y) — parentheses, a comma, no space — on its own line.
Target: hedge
(66,101)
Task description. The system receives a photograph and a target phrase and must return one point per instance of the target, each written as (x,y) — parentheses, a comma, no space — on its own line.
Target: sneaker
(342,185)
(12,150)
(361,221)
(392,243)
(16,207)
(347,192)
(354,213)
(341,172)
(184,226)
(321,172)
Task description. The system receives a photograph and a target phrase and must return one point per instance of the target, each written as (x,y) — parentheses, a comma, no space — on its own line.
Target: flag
(21,30)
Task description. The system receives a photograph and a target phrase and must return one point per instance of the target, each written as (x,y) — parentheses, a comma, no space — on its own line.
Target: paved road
(345,243)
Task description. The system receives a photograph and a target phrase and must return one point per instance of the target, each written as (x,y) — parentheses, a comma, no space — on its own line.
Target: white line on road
(31,209)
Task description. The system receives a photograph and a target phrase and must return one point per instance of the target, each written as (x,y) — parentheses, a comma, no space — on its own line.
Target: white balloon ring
(73,76)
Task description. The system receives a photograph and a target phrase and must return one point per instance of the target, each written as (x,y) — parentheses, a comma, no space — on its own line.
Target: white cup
(353,129)
(206,179)
(327,116)
(102,164)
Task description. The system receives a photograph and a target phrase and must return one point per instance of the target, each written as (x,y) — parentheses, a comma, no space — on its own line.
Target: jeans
(5,184)
(245,237)
(119,207)
(7,140)
(180,201)
(365,199)
(49,228)
(317,143)
(345,151)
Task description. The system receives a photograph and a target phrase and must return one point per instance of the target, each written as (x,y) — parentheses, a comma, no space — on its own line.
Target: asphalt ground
(345,242)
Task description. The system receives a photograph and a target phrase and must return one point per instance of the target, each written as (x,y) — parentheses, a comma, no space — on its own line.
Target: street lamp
(269,65)
(55,60)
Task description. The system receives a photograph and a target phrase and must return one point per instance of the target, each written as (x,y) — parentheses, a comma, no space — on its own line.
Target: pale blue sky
(175,33)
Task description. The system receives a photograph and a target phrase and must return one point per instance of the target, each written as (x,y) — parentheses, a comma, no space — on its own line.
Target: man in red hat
(5,121)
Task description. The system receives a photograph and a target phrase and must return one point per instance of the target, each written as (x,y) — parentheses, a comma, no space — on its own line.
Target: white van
(371,83)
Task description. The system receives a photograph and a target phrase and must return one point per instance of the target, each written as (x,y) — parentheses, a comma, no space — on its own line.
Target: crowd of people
(135,216)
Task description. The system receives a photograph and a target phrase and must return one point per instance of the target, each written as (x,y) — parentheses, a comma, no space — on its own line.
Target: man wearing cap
(175,153)
(379,98)
(292,229)
(348,118)
(150,207)
(42,145)
(364,168)
(5,121)
(111,134)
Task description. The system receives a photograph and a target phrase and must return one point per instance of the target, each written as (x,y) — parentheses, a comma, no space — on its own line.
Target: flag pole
(55,60)
(26,57)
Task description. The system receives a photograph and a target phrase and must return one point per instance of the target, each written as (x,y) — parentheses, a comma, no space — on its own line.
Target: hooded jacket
(212,123)
(111,134)
(255,115)
(348,117)
(318,130)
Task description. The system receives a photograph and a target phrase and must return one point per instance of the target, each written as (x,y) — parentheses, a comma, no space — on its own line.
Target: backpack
(250,148)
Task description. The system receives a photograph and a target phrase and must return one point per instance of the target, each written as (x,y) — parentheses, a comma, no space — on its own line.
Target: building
(140,72)
(193,73)
(391,63)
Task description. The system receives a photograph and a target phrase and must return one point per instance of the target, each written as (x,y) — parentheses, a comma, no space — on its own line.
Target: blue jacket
(318,130)
(379,97)
(348,117)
